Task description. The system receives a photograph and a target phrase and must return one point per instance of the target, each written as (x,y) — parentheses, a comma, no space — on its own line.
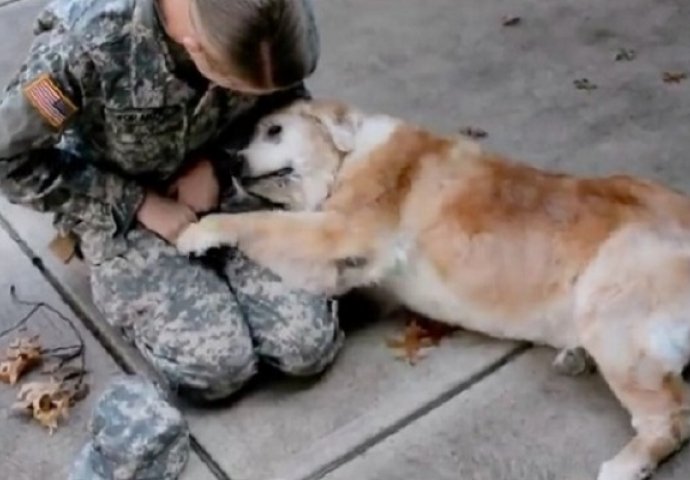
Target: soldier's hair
(270,43)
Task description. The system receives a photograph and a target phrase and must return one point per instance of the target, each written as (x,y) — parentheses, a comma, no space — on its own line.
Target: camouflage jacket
(103,107)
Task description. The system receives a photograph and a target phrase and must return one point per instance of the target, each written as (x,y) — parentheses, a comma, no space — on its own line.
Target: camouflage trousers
(205,331)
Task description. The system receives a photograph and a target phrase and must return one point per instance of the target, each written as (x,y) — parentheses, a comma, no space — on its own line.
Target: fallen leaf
(436,331)
(625,55)
(584,84)
(22,355)
(411,343)
(473,132)
(420,333)
(511,21)
(47,402)
(674,77)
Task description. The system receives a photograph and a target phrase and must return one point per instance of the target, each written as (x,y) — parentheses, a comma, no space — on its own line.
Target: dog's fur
(470,238)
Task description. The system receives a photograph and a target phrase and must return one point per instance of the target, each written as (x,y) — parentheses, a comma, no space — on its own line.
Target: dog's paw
(573,362)
(198,238)
(618,470)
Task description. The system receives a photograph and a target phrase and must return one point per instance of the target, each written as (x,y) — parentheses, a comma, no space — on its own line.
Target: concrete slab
(197,470)
(34,232)
(26,449)
(523,423)
(16,23)
(450,64)
(287,430)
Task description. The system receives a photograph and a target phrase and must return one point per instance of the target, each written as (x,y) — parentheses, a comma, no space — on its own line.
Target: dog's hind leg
(654,393)
(634,319)
(661,419)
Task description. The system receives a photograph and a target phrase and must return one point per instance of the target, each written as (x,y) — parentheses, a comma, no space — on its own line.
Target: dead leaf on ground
(473,132)
(47,402)
(511,21)
(436,331)
(674,77)
(419,334)
(411,344)
(22,355)
(584,84)
(625,55)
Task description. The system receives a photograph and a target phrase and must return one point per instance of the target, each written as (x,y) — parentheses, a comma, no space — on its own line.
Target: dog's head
(296,153)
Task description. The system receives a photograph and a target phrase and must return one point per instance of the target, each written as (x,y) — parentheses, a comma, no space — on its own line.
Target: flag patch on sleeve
(49,101)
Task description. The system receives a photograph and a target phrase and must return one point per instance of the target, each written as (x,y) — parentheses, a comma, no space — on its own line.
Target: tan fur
(474,239)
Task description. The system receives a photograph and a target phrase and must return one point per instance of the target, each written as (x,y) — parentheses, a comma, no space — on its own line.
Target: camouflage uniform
(134,434)
(140,111)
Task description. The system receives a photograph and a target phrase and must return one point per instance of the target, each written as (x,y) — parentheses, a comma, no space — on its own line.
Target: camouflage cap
(135,434)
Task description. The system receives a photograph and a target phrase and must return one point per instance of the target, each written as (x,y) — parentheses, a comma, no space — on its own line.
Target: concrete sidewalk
(475,408)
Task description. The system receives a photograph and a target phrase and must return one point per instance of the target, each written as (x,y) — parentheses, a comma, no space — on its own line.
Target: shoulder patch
(49,101)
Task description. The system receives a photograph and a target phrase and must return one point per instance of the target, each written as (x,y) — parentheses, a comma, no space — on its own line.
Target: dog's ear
(340,121)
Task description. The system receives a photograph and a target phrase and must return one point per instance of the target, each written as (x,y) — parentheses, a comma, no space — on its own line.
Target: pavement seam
(4,3)
(122,360)
(419,413)
(208,460)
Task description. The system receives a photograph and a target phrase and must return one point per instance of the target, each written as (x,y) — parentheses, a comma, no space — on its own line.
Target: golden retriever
(468,237)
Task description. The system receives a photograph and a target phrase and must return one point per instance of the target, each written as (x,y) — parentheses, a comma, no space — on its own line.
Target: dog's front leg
(307,249)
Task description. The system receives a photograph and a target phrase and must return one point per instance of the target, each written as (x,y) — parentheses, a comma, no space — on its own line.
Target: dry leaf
(436,331)
(22,355)
(511,21)
(411,343)
(473,132)
(674,77)
(625,55)
(420,333)
(584,84)
(47,402)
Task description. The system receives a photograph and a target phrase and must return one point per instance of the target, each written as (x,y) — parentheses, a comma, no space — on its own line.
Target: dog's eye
(273,131)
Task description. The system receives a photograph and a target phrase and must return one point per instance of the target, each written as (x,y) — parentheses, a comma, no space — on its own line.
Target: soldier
(115,122)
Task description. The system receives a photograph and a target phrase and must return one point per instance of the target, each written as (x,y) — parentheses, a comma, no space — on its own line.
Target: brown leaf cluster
(46,401)
(22,356)
(419,335)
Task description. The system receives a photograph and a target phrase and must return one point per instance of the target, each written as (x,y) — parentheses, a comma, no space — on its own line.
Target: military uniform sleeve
(46,96)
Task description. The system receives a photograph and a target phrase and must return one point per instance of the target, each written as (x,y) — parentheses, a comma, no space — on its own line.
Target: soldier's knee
(310,348)
(207,378)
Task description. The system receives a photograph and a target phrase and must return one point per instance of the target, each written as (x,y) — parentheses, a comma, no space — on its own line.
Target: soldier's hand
(198,188)
(164,216)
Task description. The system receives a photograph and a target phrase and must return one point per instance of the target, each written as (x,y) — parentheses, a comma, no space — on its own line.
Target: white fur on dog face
(291,160)
(279,142)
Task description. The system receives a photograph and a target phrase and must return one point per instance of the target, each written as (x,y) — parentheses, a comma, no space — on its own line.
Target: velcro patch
(50,102)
